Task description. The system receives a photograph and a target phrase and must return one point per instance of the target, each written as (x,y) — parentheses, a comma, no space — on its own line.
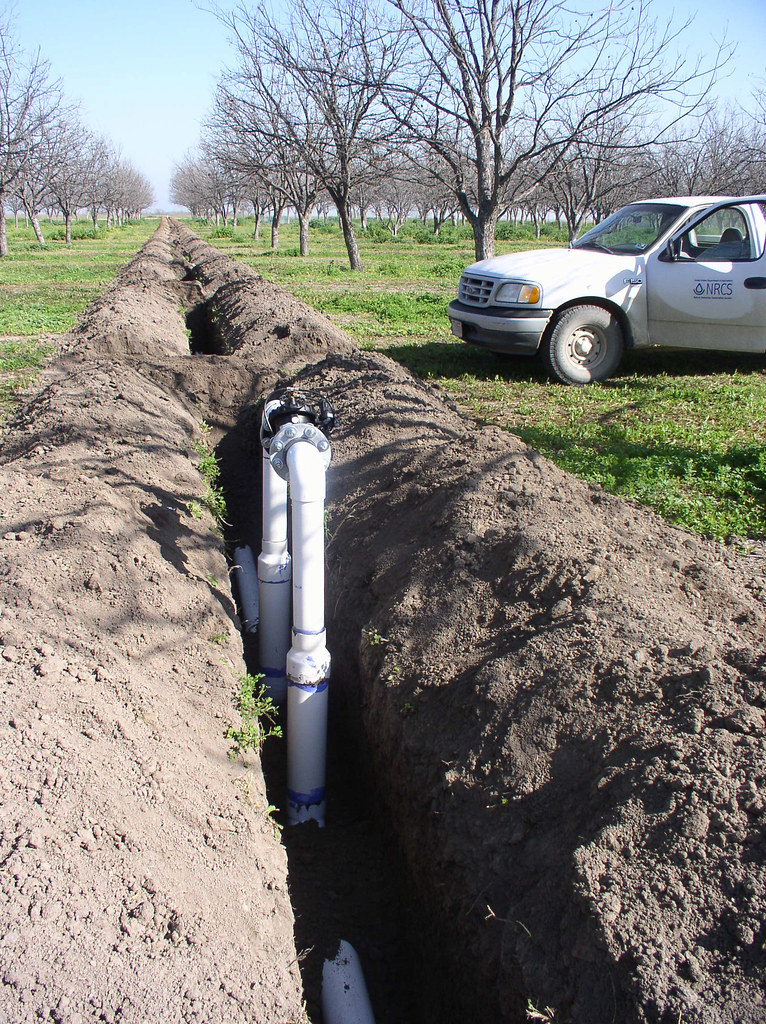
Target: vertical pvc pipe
(344,992)
(274,572)
(308,660)
(245,577)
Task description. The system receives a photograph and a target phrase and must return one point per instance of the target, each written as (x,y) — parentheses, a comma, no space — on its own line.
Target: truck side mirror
(672,250)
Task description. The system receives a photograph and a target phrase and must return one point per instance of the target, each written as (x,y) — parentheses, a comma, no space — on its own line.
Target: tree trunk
(3,230)
(234,213)
(303,232)
(257,227)
(94,217)
(349,236)
(363,218)
(37,229)
(484,234)
(68,227)
(275,222)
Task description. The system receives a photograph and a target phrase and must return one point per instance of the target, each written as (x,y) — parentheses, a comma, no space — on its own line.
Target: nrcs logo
(714,289)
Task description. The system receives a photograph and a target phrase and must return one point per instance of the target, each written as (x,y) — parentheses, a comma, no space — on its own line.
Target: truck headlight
(518,293)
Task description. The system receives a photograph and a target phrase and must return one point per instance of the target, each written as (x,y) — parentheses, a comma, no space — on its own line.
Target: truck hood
(551,266)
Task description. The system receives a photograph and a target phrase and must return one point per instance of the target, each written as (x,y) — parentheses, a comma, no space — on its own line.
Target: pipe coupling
(294,433)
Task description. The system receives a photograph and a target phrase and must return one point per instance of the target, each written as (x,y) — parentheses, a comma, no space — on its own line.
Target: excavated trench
(347,880)
(548,706)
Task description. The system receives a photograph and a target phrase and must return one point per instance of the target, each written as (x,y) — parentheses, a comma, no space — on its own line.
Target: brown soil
(559,697)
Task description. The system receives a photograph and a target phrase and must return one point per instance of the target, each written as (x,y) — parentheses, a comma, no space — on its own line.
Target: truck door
(707,289)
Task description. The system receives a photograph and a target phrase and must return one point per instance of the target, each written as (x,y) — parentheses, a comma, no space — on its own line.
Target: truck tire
(585,344)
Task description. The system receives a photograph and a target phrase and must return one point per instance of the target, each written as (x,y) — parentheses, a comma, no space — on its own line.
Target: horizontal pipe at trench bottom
(244,576)
(274,581)
(344,992)
(308,660)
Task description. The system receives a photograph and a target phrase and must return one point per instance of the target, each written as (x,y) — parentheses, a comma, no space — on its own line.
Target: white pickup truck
(684,273)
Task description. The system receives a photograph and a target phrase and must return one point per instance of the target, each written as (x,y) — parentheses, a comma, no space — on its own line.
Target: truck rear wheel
(584,345)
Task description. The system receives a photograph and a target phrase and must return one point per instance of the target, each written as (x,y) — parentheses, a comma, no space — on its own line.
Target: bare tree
(68,182)
(394,197)
(605,164)
(29,103)
(245,133)
(491,86)
(313,83)
(718,152)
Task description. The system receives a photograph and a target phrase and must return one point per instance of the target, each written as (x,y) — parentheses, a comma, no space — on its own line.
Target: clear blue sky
(144,71)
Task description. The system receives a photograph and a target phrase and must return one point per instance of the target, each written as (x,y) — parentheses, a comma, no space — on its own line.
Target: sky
(144,71)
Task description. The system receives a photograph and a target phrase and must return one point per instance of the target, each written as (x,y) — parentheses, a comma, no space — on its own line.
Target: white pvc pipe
(308,660)
(245,578)
(274,572)
(344,993)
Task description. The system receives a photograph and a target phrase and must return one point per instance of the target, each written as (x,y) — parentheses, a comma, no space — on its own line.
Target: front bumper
(499,330)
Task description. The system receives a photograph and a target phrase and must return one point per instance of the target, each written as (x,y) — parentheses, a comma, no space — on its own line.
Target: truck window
(723,237)
(632,230)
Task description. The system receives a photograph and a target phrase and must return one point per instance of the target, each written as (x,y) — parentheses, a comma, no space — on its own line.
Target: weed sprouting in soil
(213,499)
(258,714)
(374,636)
(545,1016)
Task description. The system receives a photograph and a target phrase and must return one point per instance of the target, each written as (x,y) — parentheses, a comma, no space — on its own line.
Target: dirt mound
(562,696)
(142,876)
(253,317)
(564,699)
(138,313)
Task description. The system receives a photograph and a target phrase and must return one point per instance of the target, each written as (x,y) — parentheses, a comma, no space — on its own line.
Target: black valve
(289,405)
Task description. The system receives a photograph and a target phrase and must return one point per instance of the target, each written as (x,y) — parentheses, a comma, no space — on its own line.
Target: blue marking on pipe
(275,583)
(273,673)
(310,687)
(316,796)
(308,632)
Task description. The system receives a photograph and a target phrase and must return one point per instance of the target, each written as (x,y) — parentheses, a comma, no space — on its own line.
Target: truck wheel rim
(586,346)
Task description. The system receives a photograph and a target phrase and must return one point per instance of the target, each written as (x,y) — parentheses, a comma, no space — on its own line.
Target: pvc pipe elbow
(307,473)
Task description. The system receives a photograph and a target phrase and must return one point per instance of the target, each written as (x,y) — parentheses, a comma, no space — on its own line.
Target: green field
(685,434)
(43,289)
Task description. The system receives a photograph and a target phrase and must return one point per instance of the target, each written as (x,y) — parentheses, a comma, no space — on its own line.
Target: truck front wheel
(585,344)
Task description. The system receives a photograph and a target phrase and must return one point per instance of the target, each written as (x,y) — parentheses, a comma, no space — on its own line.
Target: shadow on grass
(675,363)
(455,359)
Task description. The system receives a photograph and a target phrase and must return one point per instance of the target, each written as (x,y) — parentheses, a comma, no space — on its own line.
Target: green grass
(42,290)
(19,362)
(684,434)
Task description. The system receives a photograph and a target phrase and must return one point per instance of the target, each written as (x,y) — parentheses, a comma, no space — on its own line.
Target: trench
(347,880)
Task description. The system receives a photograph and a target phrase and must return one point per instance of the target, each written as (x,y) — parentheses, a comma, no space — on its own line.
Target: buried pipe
(293,435)
(244,576)
(344,993)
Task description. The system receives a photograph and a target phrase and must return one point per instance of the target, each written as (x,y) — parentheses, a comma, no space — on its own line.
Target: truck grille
(476,291)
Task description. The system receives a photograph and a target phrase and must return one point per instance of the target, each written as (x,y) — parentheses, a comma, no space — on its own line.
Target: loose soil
(551,702)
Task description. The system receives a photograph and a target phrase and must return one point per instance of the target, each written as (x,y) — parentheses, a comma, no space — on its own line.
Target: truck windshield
(631,230)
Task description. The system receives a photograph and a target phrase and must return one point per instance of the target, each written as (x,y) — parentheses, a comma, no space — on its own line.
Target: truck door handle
(755,282)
